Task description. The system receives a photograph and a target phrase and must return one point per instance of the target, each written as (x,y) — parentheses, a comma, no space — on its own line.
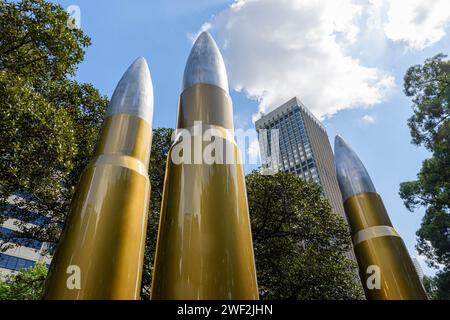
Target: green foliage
(428,284)
(438,287)
(28,284)
(157,169)
(36,42)
(299,243)
(48,122)
(429,87)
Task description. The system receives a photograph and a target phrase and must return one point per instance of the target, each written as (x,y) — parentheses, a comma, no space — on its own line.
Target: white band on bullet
(121,161)
(212,129)
(374,232)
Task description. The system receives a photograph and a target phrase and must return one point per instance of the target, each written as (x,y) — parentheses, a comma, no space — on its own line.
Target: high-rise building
(304,148)
(17,253)
(418,268)
(293,140)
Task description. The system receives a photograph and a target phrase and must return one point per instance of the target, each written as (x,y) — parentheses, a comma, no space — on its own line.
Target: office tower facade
(418,268)
(303,148)
(16,253)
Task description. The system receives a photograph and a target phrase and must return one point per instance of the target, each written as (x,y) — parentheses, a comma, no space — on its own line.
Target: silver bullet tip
(134,93)
(205,64)
(352,176)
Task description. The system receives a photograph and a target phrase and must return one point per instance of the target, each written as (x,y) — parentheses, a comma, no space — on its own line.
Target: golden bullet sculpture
(204,248)
(101,250)
(385,266)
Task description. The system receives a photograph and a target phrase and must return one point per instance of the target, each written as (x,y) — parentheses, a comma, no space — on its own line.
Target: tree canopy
(48,121)
(36,42)
(27,284)
(157,170)
(299,243)
(429,87)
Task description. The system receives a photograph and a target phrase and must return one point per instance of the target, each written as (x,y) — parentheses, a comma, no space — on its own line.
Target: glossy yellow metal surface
(376,243)
(104,235)
(204,248)
(204,102)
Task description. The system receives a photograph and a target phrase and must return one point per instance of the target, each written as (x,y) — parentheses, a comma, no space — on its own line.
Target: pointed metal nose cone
(134,93)
(351,173)
(205,64)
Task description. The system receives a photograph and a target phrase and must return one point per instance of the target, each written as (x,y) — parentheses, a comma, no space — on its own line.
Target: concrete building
(419,269)
(293,140)
(20,253)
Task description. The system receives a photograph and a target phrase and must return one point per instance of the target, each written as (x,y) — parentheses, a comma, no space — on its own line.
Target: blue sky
(346,62)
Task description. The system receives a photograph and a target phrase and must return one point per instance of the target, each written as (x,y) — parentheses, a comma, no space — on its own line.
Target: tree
(37,43)
(438,287)
(299,243)
(162,139)
(28,284)
(429,87)
(48,121)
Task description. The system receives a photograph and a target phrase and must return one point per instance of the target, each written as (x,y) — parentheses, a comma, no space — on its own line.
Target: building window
(8,235)
(12,211)
(14,263)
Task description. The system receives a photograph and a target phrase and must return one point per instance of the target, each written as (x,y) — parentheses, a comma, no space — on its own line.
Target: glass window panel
(21,263)
(11,264)
(3,260)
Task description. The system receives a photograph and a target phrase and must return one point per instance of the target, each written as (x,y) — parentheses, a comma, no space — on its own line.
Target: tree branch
(22,43)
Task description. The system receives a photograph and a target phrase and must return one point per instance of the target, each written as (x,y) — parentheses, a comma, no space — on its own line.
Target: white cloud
(425,267)
(368,119)
(254,151)
(275,50)
(417,23)
(193,36)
